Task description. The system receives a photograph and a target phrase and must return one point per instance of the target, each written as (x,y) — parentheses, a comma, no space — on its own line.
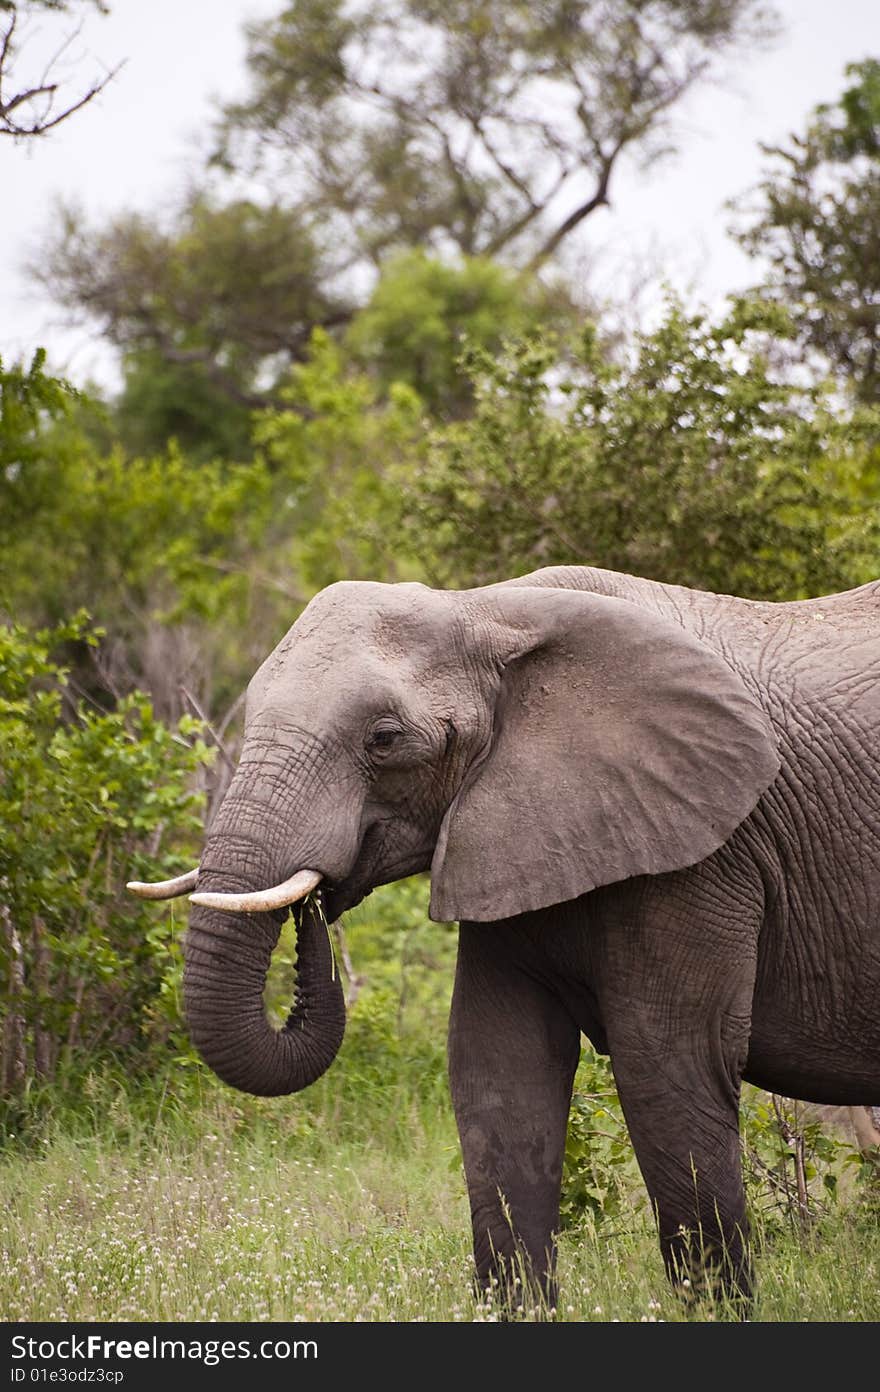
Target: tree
(491,127)
(164,401)
(687,464)
(424,310)
(479,130)
(229,296)
(30,106)
(818,225)
(336,452)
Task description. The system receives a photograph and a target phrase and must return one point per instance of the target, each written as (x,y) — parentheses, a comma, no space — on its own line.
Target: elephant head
(525,744)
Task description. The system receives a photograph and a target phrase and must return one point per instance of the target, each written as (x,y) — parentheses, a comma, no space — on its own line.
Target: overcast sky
(136,146)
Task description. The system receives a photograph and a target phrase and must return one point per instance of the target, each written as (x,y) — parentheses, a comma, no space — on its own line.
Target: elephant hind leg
(513,1051)
(684,1128)
(676,970)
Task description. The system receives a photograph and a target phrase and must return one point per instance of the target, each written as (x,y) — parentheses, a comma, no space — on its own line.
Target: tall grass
(197,1205)
(173,1198)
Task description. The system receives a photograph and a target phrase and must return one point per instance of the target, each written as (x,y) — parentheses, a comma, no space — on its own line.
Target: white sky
(136,146)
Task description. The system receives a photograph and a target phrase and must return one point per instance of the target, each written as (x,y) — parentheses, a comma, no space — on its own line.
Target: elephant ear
(621,745)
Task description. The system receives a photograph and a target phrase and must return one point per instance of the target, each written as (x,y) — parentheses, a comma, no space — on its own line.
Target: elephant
(654,813)
(862,1124)
(866,1127)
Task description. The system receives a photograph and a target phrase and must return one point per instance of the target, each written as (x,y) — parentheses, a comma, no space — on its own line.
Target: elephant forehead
(317,694)
(353,626)
(368,609)
(355,651)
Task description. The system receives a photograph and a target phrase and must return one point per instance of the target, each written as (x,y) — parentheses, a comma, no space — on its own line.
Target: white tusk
(164,889)
(263,900)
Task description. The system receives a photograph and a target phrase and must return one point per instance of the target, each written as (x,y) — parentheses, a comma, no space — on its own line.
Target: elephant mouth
(384,858)
(339,900)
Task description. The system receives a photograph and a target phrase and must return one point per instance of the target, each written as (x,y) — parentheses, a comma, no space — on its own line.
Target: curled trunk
(259,838)
(226,961)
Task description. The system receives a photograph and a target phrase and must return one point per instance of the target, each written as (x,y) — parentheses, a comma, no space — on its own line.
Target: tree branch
(6,107)
(598,200)
(512,231)
(39,125)
(199,711)
(6,50)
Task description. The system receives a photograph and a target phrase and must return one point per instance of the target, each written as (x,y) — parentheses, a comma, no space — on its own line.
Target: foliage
(423,311)
(479,125)
(818,225)
(87,800)
(28,397)
(229,294)
(600,1178)
(798,1169)
(795,1166)
(689,463)
(28,104)
(166,559)
(333,452)
(164,401)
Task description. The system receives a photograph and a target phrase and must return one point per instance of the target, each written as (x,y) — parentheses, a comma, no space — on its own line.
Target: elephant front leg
(513,1051)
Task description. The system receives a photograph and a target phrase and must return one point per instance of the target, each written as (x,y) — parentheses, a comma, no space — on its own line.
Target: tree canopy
(473,132)
(491,127)
(690,463)
(818,225)
(231,291)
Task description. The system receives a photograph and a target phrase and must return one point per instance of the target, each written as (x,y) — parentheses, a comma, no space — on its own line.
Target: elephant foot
(702,1274)
(513,1293)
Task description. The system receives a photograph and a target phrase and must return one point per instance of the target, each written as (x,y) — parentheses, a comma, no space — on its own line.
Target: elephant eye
(383,737)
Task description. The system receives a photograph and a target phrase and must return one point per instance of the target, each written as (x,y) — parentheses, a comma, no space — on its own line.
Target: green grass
(195,1204)
(170,1197)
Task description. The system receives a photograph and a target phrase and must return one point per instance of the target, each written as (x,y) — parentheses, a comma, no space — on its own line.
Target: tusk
(263,900)
(164,889)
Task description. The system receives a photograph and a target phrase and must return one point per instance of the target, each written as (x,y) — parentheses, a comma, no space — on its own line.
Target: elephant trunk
(226,960)
(224,978)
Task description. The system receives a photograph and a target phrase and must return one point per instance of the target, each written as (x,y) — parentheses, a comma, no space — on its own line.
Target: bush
(88,800)
(690,463)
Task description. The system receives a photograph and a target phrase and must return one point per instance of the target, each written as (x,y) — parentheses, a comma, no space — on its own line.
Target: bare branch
(513,230)
(27,96)
(6,50)
(598,200)
(42,128)
(268,583)
(45,121)
(502,165)
(355,982)
(198,711)
(233,711)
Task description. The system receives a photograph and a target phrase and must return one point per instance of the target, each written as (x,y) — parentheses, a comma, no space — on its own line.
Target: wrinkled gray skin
(655,813)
